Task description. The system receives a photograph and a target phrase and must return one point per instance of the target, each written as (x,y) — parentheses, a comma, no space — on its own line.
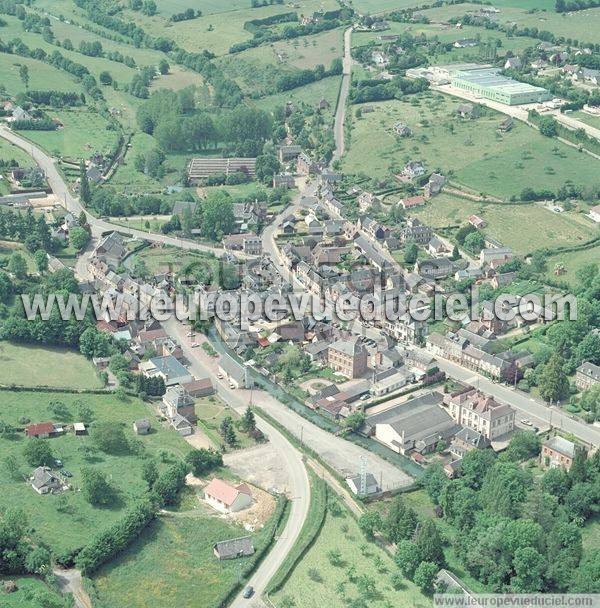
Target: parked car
(248,592)
(67,473)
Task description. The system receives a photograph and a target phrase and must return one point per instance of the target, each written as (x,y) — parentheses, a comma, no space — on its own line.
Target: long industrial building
(490,84)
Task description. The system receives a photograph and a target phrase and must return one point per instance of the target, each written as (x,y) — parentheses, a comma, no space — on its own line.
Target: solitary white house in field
(227,498)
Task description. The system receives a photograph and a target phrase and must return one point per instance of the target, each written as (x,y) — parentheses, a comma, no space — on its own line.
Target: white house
(595,213)
(226,498)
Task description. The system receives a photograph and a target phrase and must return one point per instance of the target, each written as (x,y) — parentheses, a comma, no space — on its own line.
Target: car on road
(195,345)
(220,376)
(190,334)
(248,592)
(526,422)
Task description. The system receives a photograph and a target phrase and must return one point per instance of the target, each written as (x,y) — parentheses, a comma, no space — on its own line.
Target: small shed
(142,427)
(234,548)
(79,428)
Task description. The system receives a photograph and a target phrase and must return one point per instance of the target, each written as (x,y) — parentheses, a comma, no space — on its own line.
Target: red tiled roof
(225,493)
(42,428)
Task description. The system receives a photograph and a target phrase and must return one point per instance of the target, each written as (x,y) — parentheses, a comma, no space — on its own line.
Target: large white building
(474,410)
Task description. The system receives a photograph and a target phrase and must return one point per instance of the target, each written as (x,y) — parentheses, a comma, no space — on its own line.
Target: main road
(522,402)
(340,112)
(72,204)
(299,486)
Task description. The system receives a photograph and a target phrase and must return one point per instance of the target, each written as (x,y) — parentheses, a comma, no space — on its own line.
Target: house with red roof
(41,430)
(227,498)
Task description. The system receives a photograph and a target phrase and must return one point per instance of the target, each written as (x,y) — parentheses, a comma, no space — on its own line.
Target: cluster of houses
(150,350)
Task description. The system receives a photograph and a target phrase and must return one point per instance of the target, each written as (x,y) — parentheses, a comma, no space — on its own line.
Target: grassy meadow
(41,366)
(317,582)
(33,593)
(172,564)
(83,133)
(66,526)
(582,25)
(510,224)
(473,152)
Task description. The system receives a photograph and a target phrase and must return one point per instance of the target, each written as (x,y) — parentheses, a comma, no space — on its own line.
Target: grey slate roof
(236,547)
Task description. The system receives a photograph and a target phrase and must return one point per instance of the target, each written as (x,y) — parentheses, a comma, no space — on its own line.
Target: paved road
(299,486)
(340,113)
(98,226)
(523,403)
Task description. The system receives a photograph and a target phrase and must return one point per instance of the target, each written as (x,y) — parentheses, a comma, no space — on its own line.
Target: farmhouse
(111,249)
(236,547)
(434,269)
(416,232)
(42,430)
(477,222)
(227,498)
(412,201)
(200,168)
(44,481)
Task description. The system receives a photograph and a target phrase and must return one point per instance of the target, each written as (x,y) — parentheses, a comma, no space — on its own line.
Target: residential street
(526,405)
(340,454)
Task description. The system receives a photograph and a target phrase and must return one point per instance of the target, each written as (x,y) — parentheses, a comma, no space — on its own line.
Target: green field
(41,75)
(328,89)
(169,258)
(218,31)
(582,25)
(172,564)
(10,151)
(472,151)
(446,34)
(83,134)
(33,593)
(510,224)
(310,51)
(377,6)
(39,366)
(333,588)
(572,262)
(71,528)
